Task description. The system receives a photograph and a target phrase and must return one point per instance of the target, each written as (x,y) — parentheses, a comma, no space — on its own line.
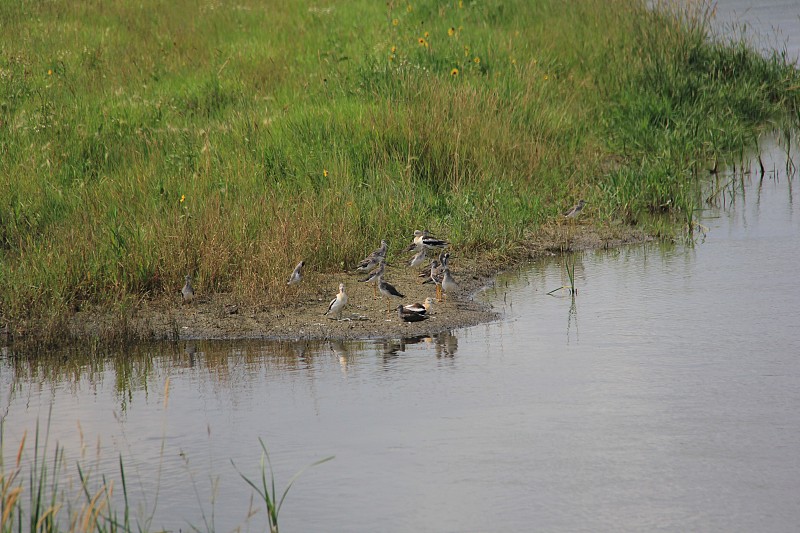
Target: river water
(664,396)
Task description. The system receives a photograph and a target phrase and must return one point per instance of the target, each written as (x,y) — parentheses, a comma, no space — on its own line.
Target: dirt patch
(224,316)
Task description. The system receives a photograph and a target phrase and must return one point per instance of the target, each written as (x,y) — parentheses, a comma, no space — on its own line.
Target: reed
(144,142)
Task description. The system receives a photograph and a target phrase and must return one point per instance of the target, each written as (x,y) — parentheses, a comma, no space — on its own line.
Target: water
(663,397)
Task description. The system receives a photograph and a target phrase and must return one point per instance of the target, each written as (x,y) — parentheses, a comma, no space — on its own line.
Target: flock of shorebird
(375,263)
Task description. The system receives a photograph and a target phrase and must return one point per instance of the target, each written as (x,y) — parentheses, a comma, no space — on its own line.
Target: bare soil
(226,316)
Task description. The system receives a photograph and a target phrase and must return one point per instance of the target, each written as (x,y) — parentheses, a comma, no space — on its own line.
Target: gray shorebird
(187,292)
(448,283)
(338,303)
(410,316)
(373,259)
(373,277)
(418,259)
(576,210)
(437,271)
(297,274)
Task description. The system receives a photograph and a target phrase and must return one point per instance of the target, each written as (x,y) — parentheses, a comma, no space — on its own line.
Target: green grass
(144,141)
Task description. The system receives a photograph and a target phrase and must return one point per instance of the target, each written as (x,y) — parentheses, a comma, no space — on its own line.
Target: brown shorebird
(576,210)
(187,291)
(372,260)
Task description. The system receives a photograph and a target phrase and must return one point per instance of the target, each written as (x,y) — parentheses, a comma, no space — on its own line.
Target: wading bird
(187,291)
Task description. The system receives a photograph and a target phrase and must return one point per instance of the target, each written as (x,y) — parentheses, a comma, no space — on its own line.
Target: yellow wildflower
(422,42)
(476,60)
(324,173)
(395,22)
(394,49)
(427,34)
(546,77)
(451,31)
(183,197)
(454,72)
(49,72)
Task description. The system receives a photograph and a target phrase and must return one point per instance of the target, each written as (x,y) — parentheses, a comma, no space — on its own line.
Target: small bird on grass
(187,292)
(297,274)
(576,210)
(338,303)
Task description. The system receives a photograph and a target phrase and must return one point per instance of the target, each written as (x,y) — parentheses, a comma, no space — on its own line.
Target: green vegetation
(142,141)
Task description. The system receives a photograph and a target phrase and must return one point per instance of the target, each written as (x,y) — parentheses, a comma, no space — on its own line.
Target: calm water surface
(663,397)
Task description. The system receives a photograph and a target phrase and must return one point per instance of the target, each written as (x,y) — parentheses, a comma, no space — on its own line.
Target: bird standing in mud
(388,290)
(448,283)
(338,303)
(187,292)
(373,277)
(297,274)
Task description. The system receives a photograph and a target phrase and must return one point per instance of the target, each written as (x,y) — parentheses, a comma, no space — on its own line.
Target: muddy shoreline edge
(224,316)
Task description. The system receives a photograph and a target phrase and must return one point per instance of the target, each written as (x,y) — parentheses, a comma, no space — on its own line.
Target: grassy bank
(143,141)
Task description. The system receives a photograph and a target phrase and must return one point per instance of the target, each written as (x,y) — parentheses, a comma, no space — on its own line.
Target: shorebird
(388,290)
(435,276)
(372,260)
(373,277)
(338,303)
(410,316)
(424,239)
(297,274)
(418,259)
(448,284)
(576,210)
(420,308)
(187,291)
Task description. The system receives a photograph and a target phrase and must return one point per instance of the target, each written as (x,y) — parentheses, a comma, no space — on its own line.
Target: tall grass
(144,141)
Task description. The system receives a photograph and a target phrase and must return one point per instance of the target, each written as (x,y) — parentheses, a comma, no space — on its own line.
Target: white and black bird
(373,259)
(187,292)
(424,239)
(297,274)
(423,308)
(338,303)
(410,316)
(576,210)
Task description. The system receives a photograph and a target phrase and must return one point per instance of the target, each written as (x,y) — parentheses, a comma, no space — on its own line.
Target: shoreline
(224,316)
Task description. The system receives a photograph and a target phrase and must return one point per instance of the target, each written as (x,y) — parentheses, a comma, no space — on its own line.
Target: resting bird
(187,291)
(420,308)
(338,303)
(373,259)
(410,316)
(297,274)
